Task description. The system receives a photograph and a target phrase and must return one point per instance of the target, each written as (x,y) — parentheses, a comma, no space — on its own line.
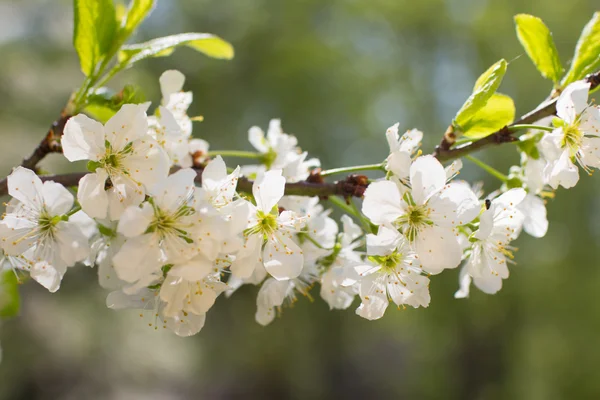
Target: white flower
(401,150)
(268,237)
(189,297)
(158,232)
(171,126)
(344,257)
(498,226)
(280,152)
(38,228)
(574,139)
(149,302)
(175,100)
(392,271)
(120,151)
(427,214)
(273,293)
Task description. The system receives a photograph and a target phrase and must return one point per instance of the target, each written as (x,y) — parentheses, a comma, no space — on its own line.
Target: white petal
(511,198)
(438,249)
(138,258)
(124,193)
(135,220)
(249,257)
(536,221)
(392,137)
(282,257)
(373,294)
(464,284)
(398,163)
(271,294)
(186,325)
(72,242)
(384,243)
(46,275)
(25,186)
(57,199)
(127,125)
(148,163)
(92,195)
(195,269)
(83,139)
(572,101)
(563,172)
(454,205)
(410,141)
(427,176)
(268,190)
(175,190)
(382,203)
(256,137)
(171,81)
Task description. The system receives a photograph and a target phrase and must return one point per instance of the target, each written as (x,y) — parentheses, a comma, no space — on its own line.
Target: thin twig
(443,152)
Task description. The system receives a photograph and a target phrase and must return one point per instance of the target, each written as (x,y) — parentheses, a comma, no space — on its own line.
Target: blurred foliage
(338,73)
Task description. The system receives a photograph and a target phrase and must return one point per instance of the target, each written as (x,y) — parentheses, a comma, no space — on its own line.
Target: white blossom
(401,150)
(392,271)
(269,234)
(280,152)
(575,138)
(120,153)
(490,252)
(426,214)
(37,230)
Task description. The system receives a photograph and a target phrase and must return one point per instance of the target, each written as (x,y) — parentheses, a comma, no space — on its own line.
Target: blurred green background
(338,73)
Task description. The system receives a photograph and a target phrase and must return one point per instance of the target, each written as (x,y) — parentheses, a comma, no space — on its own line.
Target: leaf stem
(492,171)
(514,128)
(368,167)
(234,153)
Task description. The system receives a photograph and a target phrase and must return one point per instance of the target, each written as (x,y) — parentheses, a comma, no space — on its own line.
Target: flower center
(415,219)
(388,263)
(170,224)
(572,138)
(266,224)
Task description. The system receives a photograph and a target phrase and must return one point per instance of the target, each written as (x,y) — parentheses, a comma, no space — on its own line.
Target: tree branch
(50,143)
(353,185)
(443,152)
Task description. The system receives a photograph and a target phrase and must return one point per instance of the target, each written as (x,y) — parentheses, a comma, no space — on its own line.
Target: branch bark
(353,185)
(444,152)
(50,144)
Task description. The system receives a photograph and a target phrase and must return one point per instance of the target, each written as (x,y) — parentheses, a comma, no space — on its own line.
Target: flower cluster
(167,228)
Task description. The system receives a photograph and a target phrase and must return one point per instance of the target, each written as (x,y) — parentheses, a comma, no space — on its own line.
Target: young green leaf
(484,89)
(587,53)
(9,294)
(104,103)
(210,45)
(137,12)
(498,112)
(537,41)
(95,27)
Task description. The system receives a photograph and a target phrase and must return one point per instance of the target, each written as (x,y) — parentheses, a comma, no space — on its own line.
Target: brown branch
(353,185)
(444,152)
(50,144)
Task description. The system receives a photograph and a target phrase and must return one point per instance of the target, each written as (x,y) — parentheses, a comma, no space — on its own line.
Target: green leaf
(587,53)
(104,103)
(95,28)
(484,89)
(210,45)
(498,112)
(9,294)
(137,12)
(536,39)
